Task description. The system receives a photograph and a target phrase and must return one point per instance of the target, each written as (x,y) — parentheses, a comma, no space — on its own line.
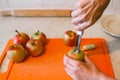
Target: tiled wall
(18,4)
(36,4)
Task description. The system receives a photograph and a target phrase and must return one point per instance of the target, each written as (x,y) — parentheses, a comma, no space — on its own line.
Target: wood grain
(42,12)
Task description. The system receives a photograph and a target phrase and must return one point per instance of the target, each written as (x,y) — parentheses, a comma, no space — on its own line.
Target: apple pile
(24,46)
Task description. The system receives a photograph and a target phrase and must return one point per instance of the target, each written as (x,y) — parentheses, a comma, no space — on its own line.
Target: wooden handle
(42,12)
(5,13)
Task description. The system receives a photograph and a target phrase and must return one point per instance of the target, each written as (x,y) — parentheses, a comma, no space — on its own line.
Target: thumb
(87,60)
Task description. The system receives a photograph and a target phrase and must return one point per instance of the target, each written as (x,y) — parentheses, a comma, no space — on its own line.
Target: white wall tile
(4,4)
(116,4)
(58,3)
(18,4)
(36,4)
(21,4)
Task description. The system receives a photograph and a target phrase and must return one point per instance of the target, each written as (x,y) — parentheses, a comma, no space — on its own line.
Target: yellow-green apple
(40,36)
(21,38)
(76,54)
(70,38)
(17,53)
(34,47)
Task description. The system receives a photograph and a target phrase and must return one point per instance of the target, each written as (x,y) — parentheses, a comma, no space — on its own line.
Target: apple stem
(17,32)
(38,31)
(33,43)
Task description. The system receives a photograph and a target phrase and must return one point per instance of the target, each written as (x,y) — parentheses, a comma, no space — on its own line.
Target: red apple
(34,47)
(40,36)
(16,53)
(76,54)
(21,38)
(70,38)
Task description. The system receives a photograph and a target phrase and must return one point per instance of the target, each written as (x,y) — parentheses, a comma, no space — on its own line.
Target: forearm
(87,12)
(102,76)
(101,4)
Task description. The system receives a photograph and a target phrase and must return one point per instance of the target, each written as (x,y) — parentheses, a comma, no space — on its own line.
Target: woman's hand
(80,70)
(87,12)
(87,70)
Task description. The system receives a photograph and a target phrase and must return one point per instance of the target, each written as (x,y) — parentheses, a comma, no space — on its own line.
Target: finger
(76,12)
(73,75)
(70,73)
(81,15)
(75,69)
(79,19)
(78,70)
(87,60)
(72,62)
(82,26)
(65,61)
(81,4)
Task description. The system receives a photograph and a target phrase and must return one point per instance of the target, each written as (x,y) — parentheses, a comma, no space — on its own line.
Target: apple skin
(17,53)
(78,55)
(40,36)
(21,38)
(26,36)
(34,47)
(70,38)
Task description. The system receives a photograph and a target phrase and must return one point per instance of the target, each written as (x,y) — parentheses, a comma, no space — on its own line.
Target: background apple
(70,38)
(78,55)
(34,47)
(16,53)
(40,36)
(20,38)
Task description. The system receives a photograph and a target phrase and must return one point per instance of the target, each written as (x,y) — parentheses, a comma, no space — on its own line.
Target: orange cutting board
(49,65)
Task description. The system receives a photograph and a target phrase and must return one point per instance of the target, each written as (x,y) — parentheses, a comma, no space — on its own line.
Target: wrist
(98,75)
(103,76)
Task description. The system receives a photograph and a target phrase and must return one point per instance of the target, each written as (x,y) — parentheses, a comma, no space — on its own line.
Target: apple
(70,38)
(20,38)
(16,53)
(34,47)
(76,54)
(40,36)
